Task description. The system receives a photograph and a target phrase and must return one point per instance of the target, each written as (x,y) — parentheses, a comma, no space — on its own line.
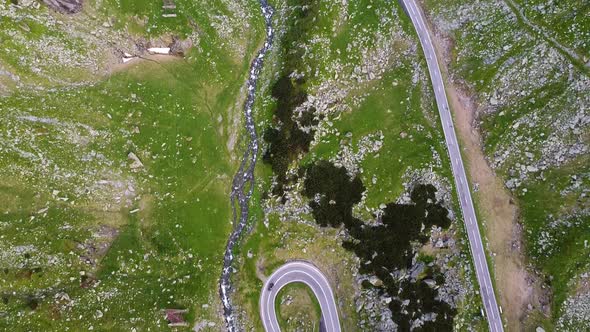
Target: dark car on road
(270,285)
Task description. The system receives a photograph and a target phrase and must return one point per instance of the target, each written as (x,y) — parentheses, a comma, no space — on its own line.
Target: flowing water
(243,183)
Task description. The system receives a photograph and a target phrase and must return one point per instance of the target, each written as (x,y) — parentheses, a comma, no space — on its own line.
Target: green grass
(304,310)
(380,112)
(281,241)
(565,20)
(28,37)
(498,129)
(177,117)
(47,49)
(566,255)
(190,221)
(483,64)
(146,16)
(362,20)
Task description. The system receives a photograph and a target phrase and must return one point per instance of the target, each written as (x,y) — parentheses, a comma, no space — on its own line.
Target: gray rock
(431,283)
(135,162)
(375,281)
(65,6)
(416,270)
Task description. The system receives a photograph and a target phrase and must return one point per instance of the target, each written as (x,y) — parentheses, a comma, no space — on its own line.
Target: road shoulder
(516,286)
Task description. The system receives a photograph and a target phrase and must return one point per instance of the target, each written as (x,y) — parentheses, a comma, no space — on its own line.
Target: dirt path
(498,214)
(516,288)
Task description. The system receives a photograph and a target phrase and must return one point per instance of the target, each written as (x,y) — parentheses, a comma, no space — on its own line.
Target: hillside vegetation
(350,131)
(115,178)
(525,66)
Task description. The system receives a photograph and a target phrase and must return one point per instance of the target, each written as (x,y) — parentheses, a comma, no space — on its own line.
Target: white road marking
(482,272)
(298,271)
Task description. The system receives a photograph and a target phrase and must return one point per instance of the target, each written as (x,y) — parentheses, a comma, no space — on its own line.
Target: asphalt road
(471,225)
(307,273)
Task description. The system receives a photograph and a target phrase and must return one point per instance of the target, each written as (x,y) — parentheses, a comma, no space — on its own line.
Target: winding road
(477,250)
(306,273)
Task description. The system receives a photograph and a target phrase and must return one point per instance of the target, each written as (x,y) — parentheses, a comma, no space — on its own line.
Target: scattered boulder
(65,6)
(375,281)
(180,46)
(135,162)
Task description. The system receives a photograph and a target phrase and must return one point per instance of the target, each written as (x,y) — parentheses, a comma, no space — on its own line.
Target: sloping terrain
(116,163)
(351,131)
(523,68)
(115,177)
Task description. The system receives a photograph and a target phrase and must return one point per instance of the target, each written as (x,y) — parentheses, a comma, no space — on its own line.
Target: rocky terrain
(349,94)
(65,6)
(524,67)
(295,303)
(115,162)
(122,128)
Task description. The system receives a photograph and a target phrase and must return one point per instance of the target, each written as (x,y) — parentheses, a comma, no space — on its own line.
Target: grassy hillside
(525,65)
(114,188)
(357,95)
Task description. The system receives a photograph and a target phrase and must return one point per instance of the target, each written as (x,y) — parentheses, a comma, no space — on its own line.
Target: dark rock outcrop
(65,6)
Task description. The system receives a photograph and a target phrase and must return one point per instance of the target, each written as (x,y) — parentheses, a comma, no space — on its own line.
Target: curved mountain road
(477,250)
(308,274)
(303,272)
